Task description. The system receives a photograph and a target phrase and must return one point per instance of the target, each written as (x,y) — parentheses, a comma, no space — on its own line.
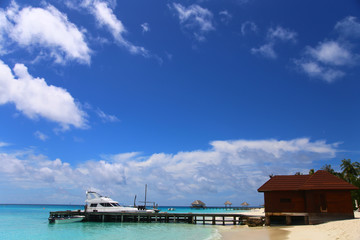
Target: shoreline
(339,230)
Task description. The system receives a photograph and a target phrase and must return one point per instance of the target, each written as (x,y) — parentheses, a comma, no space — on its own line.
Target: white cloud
(330,59)
(45,28)
(313,69)
(239,166)
(195,19)
(106,117)
(274,35)
(331,53)
(266,50)
(248,26)
(349,27)
(326,61)
(281,34)
(41,136)
(145,27)
(3,144)
(105,17)
(4,28)
(225,16)
(35,98)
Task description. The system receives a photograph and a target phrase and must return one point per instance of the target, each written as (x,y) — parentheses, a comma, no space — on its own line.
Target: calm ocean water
(31,222)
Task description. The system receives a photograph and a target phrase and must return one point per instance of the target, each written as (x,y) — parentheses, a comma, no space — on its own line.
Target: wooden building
(307,199)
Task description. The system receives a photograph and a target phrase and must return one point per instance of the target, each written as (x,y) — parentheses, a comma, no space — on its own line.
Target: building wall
(329,201)
(284,201)
(316,201)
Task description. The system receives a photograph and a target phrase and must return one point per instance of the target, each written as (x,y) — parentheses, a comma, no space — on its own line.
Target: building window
(285,200)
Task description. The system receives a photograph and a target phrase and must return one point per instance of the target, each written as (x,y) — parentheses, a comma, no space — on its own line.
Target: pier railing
(164,217)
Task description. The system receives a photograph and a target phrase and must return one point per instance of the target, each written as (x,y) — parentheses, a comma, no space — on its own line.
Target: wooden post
(213,220)
(306,220)
(223,220)
(122,218)
(234,220)
(267,221)
(288,220)
(203,220)
(103,218)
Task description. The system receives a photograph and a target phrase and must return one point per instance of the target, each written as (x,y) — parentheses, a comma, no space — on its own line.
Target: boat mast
(145,193)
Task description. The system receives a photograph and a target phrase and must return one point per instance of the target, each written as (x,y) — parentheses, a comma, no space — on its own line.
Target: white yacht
(97,203)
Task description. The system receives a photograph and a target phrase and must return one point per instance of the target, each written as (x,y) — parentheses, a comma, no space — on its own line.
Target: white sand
(339,230)
(335,230)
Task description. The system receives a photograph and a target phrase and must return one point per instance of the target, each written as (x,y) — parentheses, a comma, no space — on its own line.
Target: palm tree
(350,171)
(328,168)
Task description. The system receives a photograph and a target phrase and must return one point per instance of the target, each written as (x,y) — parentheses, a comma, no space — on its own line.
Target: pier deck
(163,217)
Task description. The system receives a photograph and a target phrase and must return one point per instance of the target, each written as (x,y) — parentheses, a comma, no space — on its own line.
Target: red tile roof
(319,180)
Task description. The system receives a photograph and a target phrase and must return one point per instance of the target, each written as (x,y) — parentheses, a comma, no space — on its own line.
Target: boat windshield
(92,195)
(115,204)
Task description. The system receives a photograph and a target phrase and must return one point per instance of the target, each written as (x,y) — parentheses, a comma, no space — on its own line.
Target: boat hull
(66,219)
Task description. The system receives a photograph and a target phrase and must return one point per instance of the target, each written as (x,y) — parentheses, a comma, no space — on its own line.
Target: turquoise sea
(31,222)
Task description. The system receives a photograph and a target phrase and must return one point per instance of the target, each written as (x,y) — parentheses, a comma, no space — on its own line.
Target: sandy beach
(339,230)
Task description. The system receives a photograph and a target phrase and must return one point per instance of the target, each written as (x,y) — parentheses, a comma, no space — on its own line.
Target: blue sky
(198,99)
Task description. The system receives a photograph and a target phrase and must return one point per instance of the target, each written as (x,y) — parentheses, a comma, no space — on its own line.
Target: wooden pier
(165,217)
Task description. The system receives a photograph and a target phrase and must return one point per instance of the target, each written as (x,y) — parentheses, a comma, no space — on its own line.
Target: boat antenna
(135,201)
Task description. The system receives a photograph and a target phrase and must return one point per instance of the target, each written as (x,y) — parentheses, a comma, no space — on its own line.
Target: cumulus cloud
(331,53)
(225,16)
(274,35)
(247,27)
(348,27)
(281,34)
(46,29)
(266,50)
(195,19)
(35,98)
(145,27)
(323,61)
(313,69)
(238,166)
(331,59)
(41,136)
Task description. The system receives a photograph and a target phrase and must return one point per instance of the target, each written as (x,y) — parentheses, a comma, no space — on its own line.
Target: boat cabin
(97,203)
